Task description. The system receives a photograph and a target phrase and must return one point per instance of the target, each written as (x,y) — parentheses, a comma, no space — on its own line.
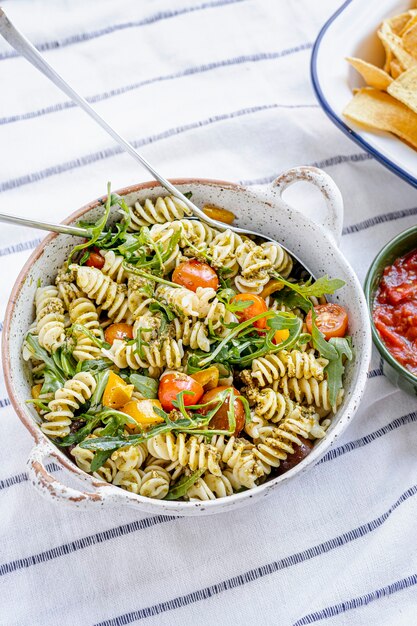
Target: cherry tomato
(95,259)
(170,386)
(118,331)
(300,453)
(258,306)
(332,320)
(220,420)
(193,274)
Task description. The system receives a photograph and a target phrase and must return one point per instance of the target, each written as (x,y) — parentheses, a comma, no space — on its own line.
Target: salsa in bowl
(391,292)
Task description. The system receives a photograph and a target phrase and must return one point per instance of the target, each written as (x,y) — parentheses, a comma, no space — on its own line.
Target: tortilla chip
(410,23)
(373,76)
(398,23)
(396,46)
(410,40)
(386,28)
(404,88)
(396,69)
(376,109)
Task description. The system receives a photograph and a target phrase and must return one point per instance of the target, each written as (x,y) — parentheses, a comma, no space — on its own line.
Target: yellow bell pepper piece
(36,391)
(209,378)
(271,287)
(142,411)
(117,393)
(281,335)
(219,214)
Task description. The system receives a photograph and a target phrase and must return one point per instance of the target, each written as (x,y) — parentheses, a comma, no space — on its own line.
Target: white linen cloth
(215,89)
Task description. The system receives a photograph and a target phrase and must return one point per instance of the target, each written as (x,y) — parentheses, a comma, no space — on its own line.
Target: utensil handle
(50,487)
(333,221)
(21,44)
(55,228)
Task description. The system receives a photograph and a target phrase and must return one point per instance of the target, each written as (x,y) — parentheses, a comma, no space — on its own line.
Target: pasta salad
(180,361)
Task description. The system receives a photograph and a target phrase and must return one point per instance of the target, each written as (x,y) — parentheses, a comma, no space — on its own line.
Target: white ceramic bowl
(351,32)
(256,209)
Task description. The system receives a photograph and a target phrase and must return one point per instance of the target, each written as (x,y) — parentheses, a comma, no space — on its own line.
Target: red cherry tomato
(170,386)
(118,331)
(332,320)
(258,306)
(220,420)
(95,259)
(193,274)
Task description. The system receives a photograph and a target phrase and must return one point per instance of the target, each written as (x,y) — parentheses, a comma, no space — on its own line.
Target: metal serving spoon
(22,45)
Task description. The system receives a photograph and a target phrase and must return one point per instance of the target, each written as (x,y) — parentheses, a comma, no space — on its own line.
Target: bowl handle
(51,487)
(333,221)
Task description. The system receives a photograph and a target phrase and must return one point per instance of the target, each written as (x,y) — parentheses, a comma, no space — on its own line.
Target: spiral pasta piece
(49,317)
(65,283)
(82,311)
(192,452)
(222,251)
(67,400)
(238,455)
(131,480)
(113,266)
(192,231)
(182,300)
(192,333)
(130,457)
(162,210)
(83,459)
(278,257)
(155,482)
(169,354)
(294,364)
(210,487)
(103,290)
(277,442)
(310,391)
(272,405)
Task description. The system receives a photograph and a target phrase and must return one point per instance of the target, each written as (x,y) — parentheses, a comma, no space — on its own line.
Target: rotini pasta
(157,364)
(294,364)
(105,292)
(158,212)
(83,312)
(49,317)
(67,400)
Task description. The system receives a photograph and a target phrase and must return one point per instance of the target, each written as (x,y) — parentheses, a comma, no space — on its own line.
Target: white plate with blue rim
(352,32)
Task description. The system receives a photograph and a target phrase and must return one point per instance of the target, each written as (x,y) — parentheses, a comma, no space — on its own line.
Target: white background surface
(342,536)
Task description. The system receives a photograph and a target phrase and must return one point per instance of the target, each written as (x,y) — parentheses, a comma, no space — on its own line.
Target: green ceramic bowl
(397,247)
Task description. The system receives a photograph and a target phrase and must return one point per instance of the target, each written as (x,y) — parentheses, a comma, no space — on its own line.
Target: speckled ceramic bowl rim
(380,260)
(159,506)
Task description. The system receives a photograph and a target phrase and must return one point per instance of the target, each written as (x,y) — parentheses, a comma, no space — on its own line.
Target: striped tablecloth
(216,89)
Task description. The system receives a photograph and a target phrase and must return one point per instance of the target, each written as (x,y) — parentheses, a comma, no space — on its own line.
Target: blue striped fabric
(215,89)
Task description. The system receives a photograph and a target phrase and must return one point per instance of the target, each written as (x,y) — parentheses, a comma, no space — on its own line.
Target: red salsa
(395,310)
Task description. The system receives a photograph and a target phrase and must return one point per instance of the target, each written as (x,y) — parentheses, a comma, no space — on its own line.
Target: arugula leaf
(42,355)
(94,365)
(180,489)
(95,229)
(163,308)
(51,383)
(292,299)
(74,438)
(100,343)
(321,287)
(146,386)
(101,378)
(101,457)
(335,369)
